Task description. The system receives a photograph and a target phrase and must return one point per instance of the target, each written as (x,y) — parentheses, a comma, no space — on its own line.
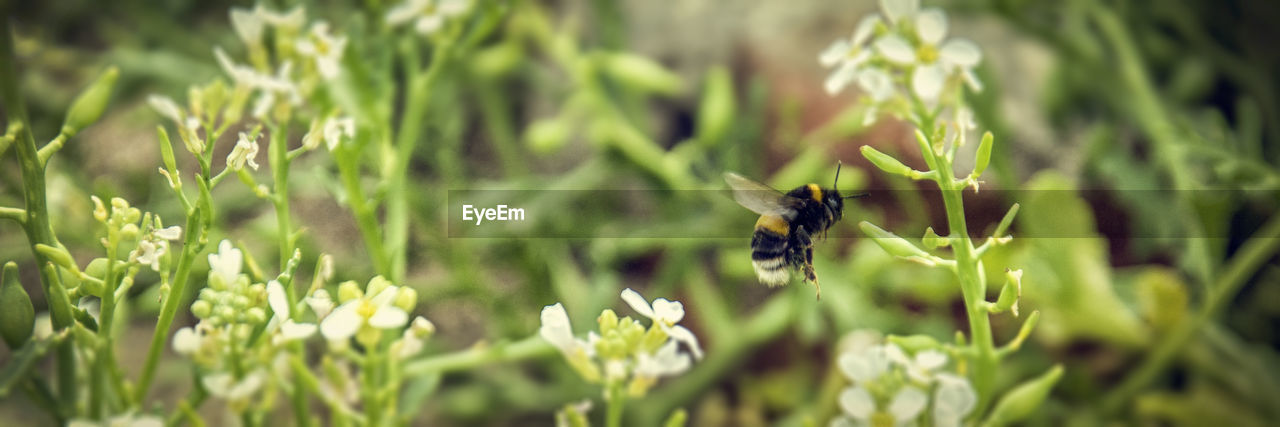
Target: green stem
(1252,255)
(18,215)
(967,268)
(347,159)
(616,401)
(37,226)
(191,247)
(279,160)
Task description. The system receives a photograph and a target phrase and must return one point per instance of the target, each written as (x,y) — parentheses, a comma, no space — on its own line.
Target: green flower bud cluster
(237,303)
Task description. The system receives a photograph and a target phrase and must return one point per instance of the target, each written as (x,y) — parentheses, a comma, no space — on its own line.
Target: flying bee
(788,223)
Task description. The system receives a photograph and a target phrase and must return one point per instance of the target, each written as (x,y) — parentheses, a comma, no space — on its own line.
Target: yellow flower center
(366,309)
(927,53)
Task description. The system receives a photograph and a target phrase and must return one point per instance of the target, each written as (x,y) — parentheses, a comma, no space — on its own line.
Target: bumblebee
(788,223)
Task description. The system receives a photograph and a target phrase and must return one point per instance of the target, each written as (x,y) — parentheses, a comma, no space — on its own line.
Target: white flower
(953,399)
(557,330)
(907,404)
(165,106)
(150,253)
(428,15)
(246,76)
(896,10)
(278,299)
(226,263)
(188,340)
(169,233)
(864,366)
(848,54)
(857,403)
(320,302)
(248,25)
(226,386)
(292,19)
(376,311)
(246,151)
(921,366)
(324,48)
(666,314)
(330,130)
(412,341)
(664,362)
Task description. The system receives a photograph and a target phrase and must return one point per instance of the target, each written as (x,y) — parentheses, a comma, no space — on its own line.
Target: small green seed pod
(885,162)
(890,242)
(1024,399)
(91,103)
(984,155)
(17,315)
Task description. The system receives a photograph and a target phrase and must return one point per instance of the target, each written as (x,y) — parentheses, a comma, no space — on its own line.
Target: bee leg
(806,243)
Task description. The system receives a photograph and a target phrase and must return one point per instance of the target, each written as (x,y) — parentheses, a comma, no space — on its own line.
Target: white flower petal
(556,328)
(864,366)
(954,397)
(248,25)
(429,24)
(907,404)
(896,49)
(389,317)
(684,335)
(857,402)
(320,303)
(898,9)
(278,299)
(960,52)
(186,341)
(227,262)
(246,386)
(930,359)
(218,384)
(666,361)
(876,83)
(343,322)
(841,77)
(834,53)
(927,82)
(841,421)
(169,233)
(669,312)
(931,25)
(296,331)
(972,81)
(637,302)
(166,107)
(404,12)
(865,28)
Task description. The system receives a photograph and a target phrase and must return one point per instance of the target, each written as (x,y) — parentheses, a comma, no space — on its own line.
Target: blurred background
(1139,138)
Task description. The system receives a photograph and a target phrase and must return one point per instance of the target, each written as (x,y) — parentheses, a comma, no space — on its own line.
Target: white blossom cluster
(623,351)
(890,387)
(902,54)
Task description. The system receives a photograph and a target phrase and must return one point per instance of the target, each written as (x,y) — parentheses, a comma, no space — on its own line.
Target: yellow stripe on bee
(816,192)
(773,223)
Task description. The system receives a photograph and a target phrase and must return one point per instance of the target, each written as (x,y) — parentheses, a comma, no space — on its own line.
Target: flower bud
(256,315)
(885,162)
(547,135)
(99,211)
(716,113)
(58,256)
(608,321)
(933,240)
(1010,293)
(166,149)
(348,291)
(17,315)
(376,285)
(983,155)
(915,343)
(89,105)
(1024,399)
(422,328)
(201,309)
(642,73)
(406,298)
(890,242)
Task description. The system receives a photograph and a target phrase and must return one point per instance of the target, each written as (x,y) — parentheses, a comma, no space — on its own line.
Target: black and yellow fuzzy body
(789,222)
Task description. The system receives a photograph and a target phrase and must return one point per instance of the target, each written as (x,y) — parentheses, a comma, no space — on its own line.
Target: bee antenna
(856,196)
(836,183)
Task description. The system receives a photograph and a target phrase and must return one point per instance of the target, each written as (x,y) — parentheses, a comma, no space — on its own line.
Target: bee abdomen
(769,257)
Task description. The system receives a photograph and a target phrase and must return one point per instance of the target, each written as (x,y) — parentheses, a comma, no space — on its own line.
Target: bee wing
(760,198)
